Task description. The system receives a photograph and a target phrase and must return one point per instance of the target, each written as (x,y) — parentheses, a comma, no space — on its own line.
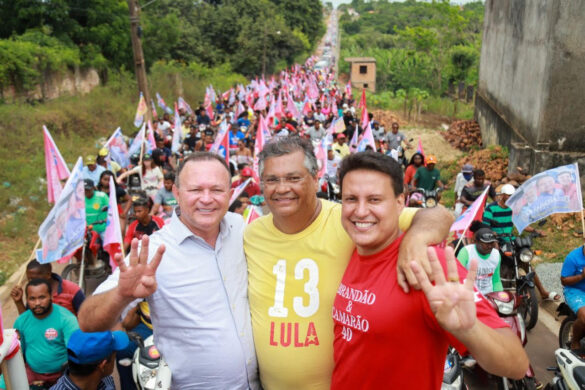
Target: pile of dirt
(492,160)
(385,118)
(463,135)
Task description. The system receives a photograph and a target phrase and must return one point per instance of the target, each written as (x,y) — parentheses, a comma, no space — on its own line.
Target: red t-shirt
(409,173)
(385,338)
(137,230)
(251,189)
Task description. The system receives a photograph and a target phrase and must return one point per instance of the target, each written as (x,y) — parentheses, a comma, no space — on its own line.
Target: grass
(77,124)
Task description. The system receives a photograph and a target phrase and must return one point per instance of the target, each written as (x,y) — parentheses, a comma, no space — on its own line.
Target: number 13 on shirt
(310,288)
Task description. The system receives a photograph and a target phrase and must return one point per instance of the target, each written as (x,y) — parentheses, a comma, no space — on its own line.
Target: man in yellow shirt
(296,257)
(340,147)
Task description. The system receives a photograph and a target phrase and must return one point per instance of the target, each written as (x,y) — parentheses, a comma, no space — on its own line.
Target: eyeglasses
(290,180)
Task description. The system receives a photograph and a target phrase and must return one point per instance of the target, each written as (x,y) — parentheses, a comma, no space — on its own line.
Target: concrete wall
(55,84)
(531,93)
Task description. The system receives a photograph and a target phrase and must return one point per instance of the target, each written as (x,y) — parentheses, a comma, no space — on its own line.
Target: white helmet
(507,189)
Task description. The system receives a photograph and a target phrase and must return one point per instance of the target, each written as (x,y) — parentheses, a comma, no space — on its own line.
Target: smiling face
(286,198)
(370,210)
(203,196)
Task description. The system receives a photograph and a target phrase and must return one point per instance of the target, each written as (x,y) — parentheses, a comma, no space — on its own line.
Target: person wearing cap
(145,223)
(96,207)
(252,188)
(488,259)
(90,360)
(428,177)
(44,331)
(340,147)
(498,216)
(92,170)
(461,180)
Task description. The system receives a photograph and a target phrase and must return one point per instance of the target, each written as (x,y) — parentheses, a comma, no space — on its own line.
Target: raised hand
(452,302)
(137,279)
(16,293)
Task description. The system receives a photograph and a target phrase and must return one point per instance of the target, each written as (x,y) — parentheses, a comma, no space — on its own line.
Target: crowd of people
(314,294)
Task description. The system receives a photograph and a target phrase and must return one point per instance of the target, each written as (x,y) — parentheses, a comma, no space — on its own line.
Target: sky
(337,2)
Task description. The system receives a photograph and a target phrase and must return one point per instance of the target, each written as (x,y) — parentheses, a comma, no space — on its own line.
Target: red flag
(365,119)
(362,103)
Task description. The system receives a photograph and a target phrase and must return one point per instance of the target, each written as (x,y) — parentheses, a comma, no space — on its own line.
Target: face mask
(467,176)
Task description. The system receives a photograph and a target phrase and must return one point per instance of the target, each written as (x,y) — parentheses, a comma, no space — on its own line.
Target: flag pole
(583,223)
(461,238)
(29,258)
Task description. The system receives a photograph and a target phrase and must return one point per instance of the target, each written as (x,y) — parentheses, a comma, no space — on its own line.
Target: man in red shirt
(385,338)
(144,224)
(252,188)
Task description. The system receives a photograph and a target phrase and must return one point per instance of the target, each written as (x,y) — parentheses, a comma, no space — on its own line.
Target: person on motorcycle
(428,177)
(394,138)
(96,208)
(333,162)
(498,216)
(475,188)
(145,223)
(461,181)
(65,292)
(573,281)
(91,358)
(488,259)
(416,161)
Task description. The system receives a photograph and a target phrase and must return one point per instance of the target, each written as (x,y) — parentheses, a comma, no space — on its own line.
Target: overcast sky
(337,2)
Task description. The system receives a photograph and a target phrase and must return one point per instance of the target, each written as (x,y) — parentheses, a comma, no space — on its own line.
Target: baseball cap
(147,156)
(430,159)
(103,152)
(341,135)
(88,184)
(507,189)
(246,172)
(485,235)
(467,168)
(90,159)
(88,348)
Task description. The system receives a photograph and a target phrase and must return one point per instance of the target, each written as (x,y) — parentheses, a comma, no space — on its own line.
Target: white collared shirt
(200,311)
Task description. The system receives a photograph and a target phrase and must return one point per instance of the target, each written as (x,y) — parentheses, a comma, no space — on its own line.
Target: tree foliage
(418,46)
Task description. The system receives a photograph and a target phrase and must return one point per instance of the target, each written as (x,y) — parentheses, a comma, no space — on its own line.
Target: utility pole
(139,64)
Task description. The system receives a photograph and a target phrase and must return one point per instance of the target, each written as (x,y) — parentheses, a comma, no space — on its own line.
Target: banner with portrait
(557,190)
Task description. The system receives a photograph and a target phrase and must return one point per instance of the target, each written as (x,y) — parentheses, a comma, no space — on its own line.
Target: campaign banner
(557,190)
(63,230)
(118,150)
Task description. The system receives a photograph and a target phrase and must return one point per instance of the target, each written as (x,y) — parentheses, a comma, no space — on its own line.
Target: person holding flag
(251,188)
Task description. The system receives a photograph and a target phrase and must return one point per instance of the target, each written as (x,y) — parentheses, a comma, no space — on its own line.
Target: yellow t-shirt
(292,283)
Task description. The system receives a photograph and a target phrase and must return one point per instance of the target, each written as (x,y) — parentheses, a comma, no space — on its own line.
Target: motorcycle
(566,328)
(452,372)
(92,262)
(421,198)
(507,305)
(516,255)
(569,373)
(149,369)
(329,188)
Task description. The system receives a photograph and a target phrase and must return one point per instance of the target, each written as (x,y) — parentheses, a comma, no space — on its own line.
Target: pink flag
(290,107)
(348,89)
(307,107)
(259,145)
(209,111)
(367,140)
(140,111)
(252,213)
(473,213)
(222,142)
(113,233)
(151,144)
(260,103)
(154,113)
(177,133)
(419,148)
(365,121)
(334,109)
(55,165)
(184,105)
(240,108)
(279,110)
(321,154)
(362,103)
(238,190)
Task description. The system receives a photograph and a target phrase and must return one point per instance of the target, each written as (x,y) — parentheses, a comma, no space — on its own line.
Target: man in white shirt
(333,162)
(198,300)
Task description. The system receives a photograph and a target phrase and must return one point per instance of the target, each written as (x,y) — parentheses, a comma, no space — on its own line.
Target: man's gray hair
(281,146)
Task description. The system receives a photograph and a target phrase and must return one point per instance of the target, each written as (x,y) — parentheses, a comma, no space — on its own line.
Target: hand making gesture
(137,279)
(452,302)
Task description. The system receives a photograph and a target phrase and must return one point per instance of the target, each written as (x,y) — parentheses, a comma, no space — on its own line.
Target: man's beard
(44,309)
